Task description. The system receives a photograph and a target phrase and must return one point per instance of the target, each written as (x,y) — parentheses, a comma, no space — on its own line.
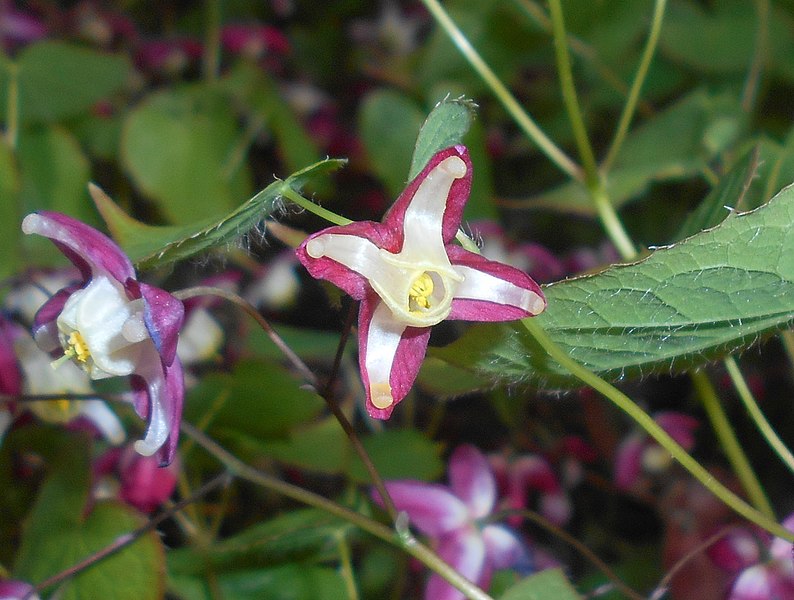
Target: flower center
(420,293)
(75,349)
(56,411)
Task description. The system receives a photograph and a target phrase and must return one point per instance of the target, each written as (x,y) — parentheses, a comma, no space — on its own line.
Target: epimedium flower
(110,324)
(455,518)
(409,275)
(16,590)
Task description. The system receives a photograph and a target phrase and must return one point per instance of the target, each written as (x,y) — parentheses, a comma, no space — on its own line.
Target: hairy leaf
(712,293)
(149,245)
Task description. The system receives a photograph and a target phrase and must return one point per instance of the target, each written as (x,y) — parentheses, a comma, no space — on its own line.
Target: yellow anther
(421,290)
(77,347)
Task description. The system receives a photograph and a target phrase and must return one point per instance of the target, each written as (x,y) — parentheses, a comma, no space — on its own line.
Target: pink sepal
(456,199)
(471,480)
(45,330)
(407,360)
(10,373)
(163,316)
(432,508)
(471,309)
(681,427)
(87,248)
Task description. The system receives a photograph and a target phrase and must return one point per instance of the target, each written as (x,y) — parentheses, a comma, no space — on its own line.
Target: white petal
(158,430)
(383,338)
(104,419)
(477,285)
(424,217)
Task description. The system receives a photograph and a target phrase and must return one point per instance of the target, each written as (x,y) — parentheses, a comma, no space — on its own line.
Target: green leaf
(675,144)
(445,126)
(389,122)
(550,584)
(399,454)
(258,93)
(58,534)
(290,582)
(54,172)
(321,447)
(725,196)
(149,245)
(714,41)
(712,293)
(259,399)
(57,80)
(301,535)
(180,148)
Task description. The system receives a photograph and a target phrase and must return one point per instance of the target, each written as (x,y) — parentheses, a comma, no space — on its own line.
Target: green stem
(212,44)
(514,109)
(612,223)
(569,96)
(653,429)
(316,209)
(750,91)
(636,86)
(12,108)
(730,444)
(756,415)
(787,338)
(407,543)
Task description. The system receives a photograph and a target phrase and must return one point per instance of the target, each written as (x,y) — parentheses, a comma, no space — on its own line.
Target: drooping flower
(764,566)
(409,275)
(639,453)
(134,479)
(111,324)
(455,518)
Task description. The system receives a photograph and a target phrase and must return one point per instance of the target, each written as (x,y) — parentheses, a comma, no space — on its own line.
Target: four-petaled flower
(454,517)
(111,324)
(409,275)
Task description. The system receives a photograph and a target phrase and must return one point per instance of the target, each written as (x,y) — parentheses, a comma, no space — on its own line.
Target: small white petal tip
(30,223)
(454,165)
(144,449)
(316,248)
(380,393)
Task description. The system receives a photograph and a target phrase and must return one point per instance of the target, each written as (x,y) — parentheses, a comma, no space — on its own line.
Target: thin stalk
(290,194)
(571,540)
(569,96)
(787,338)
(396,538)
(126,539)
(612,223)
(730,444)
(12,108)
(756,415)
(211,59)
(581,49)
(653,429)
(308,375)
(750,92)
(514,109)
(346,566)
(636,87)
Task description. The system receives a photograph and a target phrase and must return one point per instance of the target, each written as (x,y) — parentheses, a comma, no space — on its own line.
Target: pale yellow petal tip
(537,305)
(144,449)
(380,393)
(316,248)
(455,166)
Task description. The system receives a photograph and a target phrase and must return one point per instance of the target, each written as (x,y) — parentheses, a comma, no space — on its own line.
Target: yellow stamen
(78,346)
(421,290)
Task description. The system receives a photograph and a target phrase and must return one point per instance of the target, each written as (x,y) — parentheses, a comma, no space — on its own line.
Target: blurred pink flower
(639,454)
(455,518)
(520,476)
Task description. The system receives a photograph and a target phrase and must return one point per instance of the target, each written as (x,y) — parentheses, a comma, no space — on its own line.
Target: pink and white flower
(17,590)
(455,518)
(110,324)
(409,275)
